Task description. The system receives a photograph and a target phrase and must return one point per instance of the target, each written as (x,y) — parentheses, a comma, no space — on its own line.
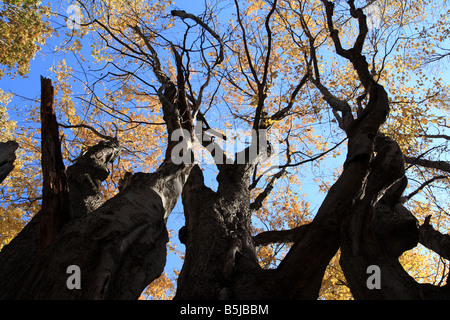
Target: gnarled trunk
(217,235)
(120,247)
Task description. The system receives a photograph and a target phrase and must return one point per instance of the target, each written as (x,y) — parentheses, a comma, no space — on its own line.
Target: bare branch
(284,112)
(278,236)
(335,103)
(247,52)
(92,129)
(422,186)
(162,77)
(437,136)
(359,14)
(257,204)
(431,164)
(354,54)
(184,15)
(434,240)
(320,155)
(262,87)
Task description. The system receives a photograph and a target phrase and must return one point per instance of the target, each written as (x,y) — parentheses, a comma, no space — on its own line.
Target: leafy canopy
(106,85)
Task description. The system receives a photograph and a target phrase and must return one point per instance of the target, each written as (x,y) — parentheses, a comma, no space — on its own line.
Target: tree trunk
(55,211)
(217,235)
(7,157)
(18,257)
(86,175)
(120,247)
(378,230)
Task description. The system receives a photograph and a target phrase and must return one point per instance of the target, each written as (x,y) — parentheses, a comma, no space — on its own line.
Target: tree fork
(379,229)
(19,256)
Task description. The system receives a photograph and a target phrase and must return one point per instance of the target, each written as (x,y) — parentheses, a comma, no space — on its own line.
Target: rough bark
(19,256)
(379,229)
(217,235)
(278,236)
(300,274)
(434,240)
(86,175)
(55,211)
(7,157)
(120,247)
(83,180)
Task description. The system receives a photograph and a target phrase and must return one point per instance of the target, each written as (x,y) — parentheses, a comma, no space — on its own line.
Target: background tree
(23,29)
(341,82)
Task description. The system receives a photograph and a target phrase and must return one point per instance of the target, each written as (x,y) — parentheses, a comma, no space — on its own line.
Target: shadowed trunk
(119,245)
(217,235)
(379,230)
(55,211)
(7,157)
(86,175)
(18,257)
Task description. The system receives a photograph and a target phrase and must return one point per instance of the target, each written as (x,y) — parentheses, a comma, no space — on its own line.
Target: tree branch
(284,112)
(422,186)
(86,175)
(257,204)
(281,236)
(156,64)
(335,103)
(434,240)
(431,164)
(244,39)
(184,15)
(92,129)
(262,87)
(437,136)
(354,54)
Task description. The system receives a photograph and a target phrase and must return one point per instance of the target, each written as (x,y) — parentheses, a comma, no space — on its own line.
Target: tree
(23,30)
(277,69)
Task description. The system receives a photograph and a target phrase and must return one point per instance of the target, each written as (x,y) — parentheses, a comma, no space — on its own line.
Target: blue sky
(27,91)
(29,87)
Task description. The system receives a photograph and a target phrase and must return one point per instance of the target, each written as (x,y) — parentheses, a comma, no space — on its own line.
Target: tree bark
(378,230)
(440,165)
(86,175)
(217,235)
(55,211)
(7,157)
(120,247)
(19,256)
(434,240)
